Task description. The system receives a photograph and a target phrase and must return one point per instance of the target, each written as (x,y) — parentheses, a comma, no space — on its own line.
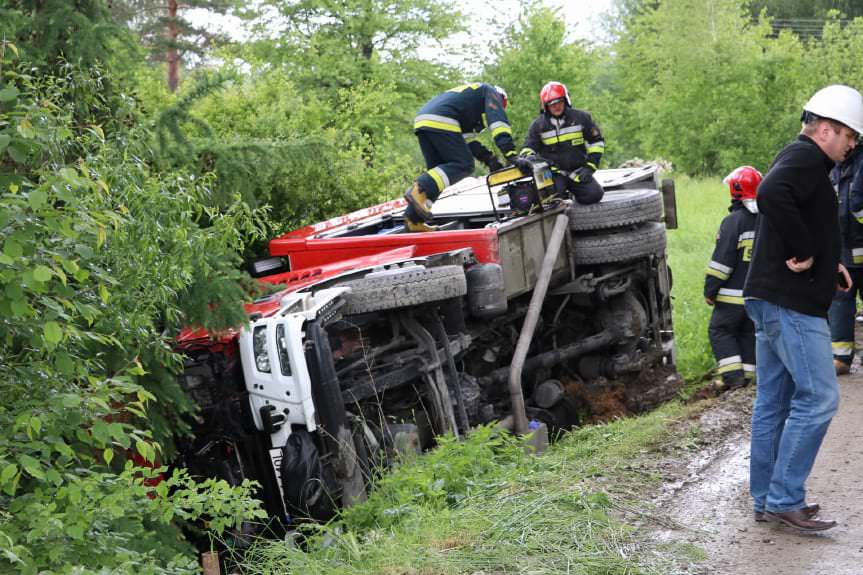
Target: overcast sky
(584,20)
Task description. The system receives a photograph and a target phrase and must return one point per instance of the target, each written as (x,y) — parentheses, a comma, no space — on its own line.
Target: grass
(554,514)
(701,205)
(481,507)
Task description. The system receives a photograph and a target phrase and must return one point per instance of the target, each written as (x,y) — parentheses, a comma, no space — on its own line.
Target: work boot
(734,382)
(420,202)
(418,227)
(842,367)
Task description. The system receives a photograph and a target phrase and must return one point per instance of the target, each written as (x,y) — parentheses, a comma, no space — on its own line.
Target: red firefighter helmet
(502,93)
(551,92)
(743,182)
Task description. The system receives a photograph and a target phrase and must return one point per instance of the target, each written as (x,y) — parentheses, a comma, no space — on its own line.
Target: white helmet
(837,102)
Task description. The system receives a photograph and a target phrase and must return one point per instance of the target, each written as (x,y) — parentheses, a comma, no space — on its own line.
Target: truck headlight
(259,346)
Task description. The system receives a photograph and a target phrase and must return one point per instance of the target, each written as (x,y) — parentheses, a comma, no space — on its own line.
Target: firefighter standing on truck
(847,178)
(447,128)
(731,332)
(570,140)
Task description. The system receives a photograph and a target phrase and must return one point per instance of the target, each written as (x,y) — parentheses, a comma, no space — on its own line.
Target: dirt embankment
(705,497)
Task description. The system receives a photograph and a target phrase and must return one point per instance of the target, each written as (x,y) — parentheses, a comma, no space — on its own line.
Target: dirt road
(711,507)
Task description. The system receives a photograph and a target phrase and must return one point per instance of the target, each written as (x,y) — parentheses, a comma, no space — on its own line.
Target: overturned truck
(373,340)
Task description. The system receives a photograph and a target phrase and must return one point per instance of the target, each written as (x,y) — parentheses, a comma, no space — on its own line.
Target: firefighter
(731,332)
(570,140)
(447,127)
(847,178)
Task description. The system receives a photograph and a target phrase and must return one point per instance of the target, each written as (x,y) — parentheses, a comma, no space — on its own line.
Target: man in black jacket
(791,281)
(570,140)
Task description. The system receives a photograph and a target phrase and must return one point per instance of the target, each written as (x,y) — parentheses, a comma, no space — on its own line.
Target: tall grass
(701,205)
(508,514)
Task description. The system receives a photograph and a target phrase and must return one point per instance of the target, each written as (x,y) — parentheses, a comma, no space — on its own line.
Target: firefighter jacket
(568,142)
(729,263)
(847,178)
(468,110)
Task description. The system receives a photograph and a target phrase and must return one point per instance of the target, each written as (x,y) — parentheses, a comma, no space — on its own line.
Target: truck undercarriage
(376,341)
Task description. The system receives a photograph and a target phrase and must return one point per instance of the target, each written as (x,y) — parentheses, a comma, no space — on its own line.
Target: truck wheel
(617,208)
(412,287)
(618,246)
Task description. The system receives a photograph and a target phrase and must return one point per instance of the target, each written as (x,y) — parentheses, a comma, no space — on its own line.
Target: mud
(704,501)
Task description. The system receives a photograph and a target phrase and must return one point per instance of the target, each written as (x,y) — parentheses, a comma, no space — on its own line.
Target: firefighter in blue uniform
(447,128)
(847,178)
(731,332)
(570,140)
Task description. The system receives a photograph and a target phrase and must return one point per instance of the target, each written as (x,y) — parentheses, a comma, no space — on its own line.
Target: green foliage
(272,144)
(535,51)
(327,46)
(44,32)
(735,100)
(100,259)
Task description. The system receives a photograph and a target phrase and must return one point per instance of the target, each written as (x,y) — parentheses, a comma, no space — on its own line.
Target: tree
(733,101)
(43,31)
(328,46)
(532,52)
(167,31)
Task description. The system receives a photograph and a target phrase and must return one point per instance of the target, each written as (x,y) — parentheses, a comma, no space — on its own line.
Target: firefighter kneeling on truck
(731,332)
(570,140)
(447,127)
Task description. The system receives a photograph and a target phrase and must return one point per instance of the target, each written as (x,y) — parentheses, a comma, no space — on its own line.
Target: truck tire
(413,287)
(621,245)
(616,209)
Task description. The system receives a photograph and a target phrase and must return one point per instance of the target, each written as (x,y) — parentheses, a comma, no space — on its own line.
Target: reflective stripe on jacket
(726,271)
(568,142)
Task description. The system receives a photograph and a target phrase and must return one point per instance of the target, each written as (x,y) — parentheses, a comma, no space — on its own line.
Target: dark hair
(811,120)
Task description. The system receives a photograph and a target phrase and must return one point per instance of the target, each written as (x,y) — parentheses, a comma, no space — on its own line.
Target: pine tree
(43,31)
(166,30)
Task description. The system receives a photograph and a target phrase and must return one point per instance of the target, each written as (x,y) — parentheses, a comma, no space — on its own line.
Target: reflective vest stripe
(436,122)
(727,295)
(843,348)
(440,178)
(499,128)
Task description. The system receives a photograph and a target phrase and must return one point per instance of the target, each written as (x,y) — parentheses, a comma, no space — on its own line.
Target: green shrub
(100,260)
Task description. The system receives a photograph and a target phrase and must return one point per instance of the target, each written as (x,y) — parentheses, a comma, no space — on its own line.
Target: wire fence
(806,28)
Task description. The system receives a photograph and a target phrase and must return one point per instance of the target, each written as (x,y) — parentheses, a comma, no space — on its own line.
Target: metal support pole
(519,415)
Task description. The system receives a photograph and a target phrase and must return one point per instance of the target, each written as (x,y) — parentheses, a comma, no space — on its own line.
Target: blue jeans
(797,396)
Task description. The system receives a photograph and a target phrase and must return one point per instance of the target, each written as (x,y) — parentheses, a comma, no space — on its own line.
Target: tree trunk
(173,57)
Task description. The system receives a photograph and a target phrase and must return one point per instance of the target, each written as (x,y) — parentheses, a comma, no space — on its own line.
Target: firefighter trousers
(588,192)
(448,159)
(732,337)
(843,309)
